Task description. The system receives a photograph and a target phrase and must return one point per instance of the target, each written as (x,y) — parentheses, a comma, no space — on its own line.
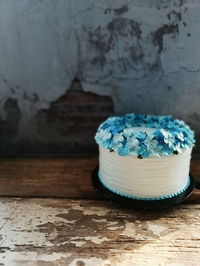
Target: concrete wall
(65,65)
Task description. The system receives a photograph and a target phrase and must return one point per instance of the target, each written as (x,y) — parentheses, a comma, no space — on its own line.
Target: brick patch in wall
(68,126)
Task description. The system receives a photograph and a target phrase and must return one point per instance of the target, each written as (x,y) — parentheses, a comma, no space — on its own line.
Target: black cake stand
(100,188)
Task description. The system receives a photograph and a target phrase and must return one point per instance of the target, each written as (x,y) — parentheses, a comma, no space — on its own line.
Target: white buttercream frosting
(146,178)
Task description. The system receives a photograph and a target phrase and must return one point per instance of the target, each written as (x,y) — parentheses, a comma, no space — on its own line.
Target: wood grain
(57,178)
(60,232)
(47,177)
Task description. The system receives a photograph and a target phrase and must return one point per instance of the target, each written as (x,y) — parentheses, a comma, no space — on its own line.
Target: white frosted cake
(144,157)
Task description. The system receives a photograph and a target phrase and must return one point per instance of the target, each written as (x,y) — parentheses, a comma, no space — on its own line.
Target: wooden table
(80,231)
(96,232)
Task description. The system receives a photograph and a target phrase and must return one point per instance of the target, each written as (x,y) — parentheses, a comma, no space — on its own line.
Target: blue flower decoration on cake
(169,136)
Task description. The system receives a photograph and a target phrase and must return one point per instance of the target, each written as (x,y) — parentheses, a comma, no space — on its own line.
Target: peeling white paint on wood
(96,239)
(156,229)
(32,258)
(38,232)
(114,227)
(91,210)
(129,230)
(78,243)
(89,262)
(99,220)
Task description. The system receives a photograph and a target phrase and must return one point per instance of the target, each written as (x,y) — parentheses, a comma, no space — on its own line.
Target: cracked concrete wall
(144,55)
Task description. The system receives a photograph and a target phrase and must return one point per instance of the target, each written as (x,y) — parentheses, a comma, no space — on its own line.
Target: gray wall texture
(65,65)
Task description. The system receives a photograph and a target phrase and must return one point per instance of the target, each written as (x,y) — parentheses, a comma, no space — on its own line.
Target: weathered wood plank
(47,177)
(57,178)
(86,232)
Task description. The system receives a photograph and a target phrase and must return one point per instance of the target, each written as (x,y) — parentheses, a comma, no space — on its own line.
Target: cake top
(144,135)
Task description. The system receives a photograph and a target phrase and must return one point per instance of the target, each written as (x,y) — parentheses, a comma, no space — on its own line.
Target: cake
(144,157)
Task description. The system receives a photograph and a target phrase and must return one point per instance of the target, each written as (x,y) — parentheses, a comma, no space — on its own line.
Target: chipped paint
(142,236)
(24,231)
(130,230)
(96,240)
(89,262)
(99,220)
(156,229)
(32,258)
(132,51)
(80,241)
(91,210)
(114,227)
(76,240)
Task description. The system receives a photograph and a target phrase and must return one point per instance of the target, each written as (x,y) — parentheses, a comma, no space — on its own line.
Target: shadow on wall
(67,128)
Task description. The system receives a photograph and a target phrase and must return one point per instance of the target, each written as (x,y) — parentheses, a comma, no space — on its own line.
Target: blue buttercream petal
(170,135)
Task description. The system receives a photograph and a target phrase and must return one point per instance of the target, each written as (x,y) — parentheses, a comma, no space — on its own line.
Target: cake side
(150,178)
(145,156)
